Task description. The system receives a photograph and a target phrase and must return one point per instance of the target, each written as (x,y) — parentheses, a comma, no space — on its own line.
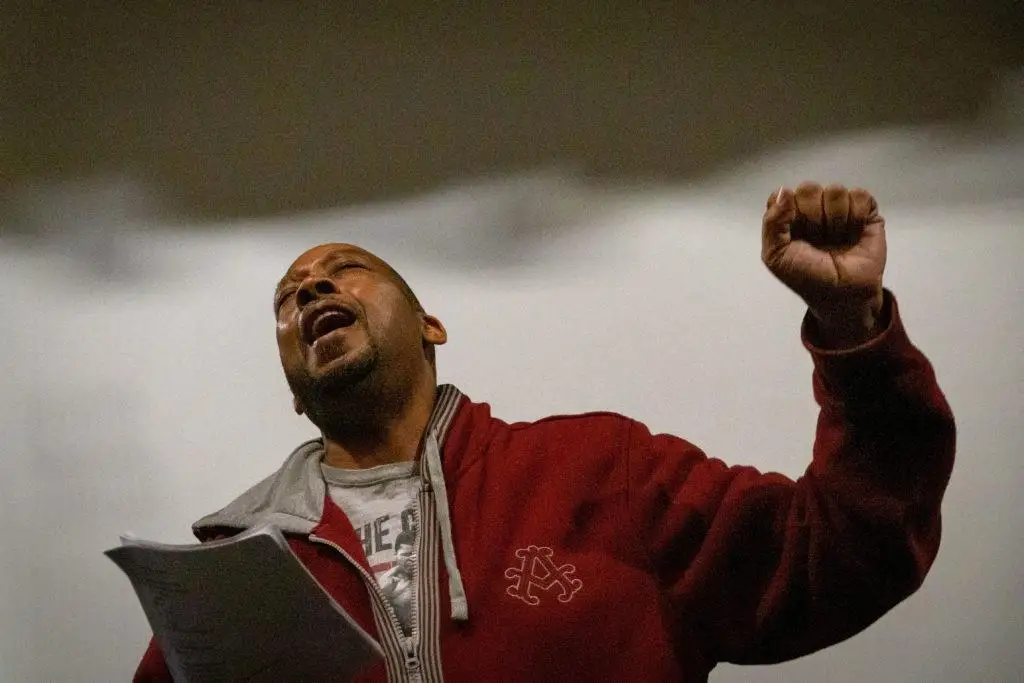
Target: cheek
(391,322)
(385,324)
(400,334)
(288,346)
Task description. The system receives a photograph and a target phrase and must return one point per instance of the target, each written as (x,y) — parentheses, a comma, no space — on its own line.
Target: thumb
(775,226)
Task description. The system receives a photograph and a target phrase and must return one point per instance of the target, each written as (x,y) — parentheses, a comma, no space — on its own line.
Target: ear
(433,331)
(297,405)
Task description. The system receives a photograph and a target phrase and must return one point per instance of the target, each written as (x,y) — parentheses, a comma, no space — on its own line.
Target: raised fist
(828,246)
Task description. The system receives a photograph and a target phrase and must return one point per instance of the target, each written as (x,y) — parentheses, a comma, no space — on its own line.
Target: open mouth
(327,320)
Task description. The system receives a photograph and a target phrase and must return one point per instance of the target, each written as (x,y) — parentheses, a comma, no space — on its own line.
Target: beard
(337,394)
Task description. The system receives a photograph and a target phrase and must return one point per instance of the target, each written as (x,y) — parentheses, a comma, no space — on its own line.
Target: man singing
(584,547)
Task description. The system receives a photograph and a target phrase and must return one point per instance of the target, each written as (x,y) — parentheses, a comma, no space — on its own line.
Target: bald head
(354,341)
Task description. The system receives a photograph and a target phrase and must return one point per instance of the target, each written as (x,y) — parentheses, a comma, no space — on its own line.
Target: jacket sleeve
(152,668)
(761,568)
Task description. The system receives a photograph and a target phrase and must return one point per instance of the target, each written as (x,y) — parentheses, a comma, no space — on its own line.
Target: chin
(344,372)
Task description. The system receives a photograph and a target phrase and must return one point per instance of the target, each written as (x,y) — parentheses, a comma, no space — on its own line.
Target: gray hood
(292,498)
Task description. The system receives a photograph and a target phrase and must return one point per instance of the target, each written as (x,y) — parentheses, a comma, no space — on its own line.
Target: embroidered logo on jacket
(538,570)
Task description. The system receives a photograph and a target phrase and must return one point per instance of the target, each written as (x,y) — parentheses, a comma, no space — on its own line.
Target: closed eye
(335,269)
(282,297)
(345,265)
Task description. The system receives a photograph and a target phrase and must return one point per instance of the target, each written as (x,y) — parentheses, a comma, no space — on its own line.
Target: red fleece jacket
(592,550)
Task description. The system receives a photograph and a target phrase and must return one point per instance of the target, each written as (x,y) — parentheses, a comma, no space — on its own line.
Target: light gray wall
(144,391)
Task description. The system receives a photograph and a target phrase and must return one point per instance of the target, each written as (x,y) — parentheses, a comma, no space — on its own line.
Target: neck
(390,436)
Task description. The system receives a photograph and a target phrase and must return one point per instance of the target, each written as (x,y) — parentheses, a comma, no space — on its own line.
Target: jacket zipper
(412,662)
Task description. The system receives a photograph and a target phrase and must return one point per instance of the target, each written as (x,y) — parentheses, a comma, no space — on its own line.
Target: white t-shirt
(381,502)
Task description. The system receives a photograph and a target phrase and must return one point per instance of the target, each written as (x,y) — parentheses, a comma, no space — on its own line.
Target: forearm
(862,527)
(886,433)
(787,567)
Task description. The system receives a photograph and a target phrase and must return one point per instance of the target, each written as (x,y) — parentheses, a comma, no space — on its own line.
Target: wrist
(848,325)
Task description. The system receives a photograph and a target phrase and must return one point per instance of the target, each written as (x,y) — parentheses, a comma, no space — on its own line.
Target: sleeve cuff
(840,366)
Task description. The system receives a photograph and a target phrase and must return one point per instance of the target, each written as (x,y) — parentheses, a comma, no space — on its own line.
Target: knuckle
(835,191)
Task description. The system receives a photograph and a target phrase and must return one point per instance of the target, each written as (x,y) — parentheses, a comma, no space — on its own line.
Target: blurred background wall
(575,192)
(273,107)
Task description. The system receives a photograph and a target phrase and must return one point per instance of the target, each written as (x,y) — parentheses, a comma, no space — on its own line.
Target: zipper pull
(412,665)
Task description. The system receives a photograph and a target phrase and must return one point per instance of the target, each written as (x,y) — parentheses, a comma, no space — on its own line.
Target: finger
(836,204)
(863,207)
(775,226)
(810,214)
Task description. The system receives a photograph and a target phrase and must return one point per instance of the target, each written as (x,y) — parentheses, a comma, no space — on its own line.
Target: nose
(312,288)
